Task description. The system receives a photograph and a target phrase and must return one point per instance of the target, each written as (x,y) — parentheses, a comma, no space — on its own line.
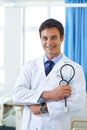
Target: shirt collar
(55,60)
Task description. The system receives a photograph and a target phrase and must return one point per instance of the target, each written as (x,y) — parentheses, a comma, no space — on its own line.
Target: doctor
(41,93)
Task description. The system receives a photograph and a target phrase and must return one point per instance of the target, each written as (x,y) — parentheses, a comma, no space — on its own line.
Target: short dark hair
(49,23)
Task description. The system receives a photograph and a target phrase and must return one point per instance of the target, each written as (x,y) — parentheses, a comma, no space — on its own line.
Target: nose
(49,41)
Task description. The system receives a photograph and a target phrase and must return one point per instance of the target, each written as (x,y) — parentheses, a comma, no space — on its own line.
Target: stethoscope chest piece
(66,109)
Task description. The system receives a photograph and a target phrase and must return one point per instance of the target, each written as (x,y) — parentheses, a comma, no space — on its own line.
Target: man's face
(51,42)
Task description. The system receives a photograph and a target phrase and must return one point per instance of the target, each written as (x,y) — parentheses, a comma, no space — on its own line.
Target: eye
(44,38)
(54,37)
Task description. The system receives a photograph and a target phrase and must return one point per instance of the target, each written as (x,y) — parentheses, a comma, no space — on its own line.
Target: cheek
(43,44)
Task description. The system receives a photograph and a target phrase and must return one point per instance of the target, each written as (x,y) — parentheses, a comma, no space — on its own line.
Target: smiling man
(38,86)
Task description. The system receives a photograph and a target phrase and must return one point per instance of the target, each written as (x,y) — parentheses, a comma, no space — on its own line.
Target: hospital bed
(75,123)
(8,107)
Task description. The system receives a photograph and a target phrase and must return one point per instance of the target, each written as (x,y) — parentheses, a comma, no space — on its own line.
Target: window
(1,36)
(34,16)
(2,72)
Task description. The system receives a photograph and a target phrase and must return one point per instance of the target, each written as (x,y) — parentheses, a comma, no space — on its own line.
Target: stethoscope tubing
(62,74)
(63,80)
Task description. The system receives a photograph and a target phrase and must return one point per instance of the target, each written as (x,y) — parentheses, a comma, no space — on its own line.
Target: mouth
(50,47)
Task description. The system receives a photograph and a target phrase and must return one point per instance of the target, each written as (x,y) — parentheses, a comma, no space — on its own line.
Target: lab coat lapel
(52,80)
(58,65)
(40,65)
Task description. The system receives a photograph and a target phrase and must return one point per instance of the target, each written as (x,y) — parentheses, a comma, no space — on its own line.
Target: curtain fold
(75,1)
(75,44)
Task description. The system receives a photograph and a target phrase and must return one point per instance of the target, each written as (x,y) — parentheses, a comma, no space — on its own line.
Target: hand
(35,109)
(61,92)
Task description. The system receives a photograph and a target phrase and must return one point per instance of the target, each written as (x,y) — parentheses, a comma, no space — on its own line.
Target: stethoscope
(66,81)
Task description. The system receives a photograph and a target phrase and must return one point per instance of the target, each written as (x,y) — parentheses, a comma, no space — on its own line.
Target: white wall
(12,44)
(27,0)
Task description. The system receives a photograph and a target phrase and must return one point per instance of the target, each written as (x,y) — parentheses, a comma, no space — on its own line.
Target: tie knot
(50,63)
(48,66)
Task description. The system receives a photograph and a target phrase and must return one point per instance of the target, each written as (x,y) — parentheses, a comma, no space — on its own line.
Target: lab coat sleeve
(22,93)
(77,99)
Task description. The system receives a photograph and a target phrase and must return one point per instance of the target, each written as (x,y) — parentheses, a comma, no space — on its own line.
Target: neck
(50,57)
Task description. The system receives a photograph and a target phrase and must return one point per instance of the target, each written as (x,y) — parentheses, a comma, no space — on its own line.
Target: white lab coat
(32,82)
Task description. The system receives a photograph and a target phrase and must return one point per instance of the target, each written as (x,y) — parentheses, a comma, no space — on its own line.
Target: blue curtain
(75,1)
(75,44)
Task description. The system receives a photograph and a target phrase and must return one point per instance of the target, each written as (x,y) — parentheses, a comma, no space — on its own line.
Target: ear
(62,38)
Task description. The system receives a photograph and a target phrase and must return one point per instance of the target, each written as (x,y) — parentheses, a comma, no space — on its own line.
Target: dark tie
(48,66)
